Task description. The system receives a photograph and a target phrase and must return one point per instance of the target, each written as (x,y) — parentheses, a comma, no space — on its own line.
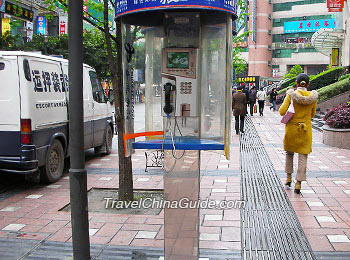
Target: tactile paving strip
(270,227)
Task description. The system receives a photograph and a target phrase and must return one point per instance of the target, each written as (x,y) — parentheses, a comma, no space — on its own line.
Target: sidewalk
(323,208)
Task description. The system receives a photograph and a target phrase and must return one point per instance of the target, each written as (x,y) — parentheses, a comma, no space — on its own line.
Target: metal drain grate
(270,227)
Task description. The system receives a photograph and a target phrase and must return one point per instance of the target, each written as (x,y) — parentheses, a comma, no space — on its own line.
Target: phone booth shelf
(188,80)
(181,143)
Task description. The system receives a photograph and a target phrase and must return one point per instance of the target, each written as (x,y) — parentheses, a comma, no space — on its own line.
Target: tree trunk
(125,166)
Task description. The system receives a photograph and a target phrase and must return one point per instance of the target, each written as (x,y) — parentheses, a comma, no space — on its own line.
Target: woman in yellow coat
(298,132)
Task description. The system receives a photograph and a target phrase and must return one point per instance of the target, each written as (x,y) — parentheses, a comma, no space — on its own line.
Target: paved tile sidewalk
(28,216)
(323,208)
(34,212)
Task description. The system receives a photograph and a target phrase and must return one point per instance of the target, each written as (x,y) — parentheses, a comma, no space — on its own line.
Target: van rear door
(10,136)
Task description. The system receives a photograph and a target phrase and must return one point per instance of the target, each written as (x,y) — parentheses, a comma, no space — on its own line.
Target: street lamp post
(46,39)
(77,172)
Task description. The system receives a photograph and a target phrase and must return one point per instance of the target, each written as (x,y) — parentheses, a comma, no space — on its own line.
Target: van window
(2,66)
(98,92)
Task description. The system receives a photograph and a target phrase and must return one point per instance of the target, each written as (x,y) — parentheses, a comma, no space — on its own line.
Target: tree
(125,165)
(295,71)
(96,55)
(95,49)
(9,42)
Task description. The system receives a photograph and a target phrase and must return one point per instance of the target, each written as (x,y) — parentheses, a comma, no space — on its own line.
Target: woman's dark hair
(303,80)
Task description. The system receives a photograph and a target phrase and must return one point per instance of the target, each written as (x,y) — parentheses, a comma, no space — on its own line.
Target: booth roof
(152,8)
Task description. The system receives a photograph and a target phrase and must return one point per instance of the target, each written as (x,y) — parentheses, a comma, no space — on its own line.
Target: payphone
(180,82)
(188,56)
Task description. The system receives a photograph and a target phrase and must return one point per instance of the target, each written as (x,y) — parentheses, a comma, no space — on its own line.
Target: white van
(34,114)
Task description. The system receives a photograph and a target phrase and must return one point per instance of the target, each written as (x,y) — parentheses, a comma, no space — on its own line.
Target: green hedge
(316,82)
(326,78)
(319,81)
(287,83)
(282,91)
(347,76)
(333,90)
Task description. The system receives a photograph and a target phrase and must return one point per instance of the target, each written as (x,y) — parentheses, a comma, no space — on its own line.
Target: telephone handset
(168,107)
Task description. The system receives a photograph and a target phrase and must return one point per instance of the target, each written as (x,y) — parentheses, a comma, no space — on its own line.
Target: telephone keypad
(186,88)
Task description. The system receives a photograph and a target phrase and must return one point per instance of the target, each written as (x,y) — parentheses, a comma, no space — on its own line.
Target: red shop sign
(336,4)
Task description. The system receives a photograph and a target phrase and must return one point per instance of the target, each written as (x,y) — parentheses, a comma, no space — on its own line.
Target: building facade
(283,30)
(260,40)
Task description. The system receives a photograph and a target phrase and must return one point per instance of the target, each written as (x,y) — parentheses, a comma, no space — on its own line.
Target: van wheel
(106,148)
(54,163)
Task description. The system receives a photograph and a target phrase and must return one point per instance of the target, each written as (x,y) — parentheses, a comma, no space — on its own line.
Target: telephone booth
(188,81)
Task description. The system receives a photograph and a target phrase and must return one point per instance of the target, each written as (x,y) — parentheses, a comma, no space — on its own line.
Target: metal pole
(45,43)
(77,172)
(45,48)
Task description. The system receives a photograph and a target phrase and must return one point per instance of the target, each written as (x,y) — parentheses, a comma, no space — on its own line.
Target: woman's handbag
(255,109)
(289,114)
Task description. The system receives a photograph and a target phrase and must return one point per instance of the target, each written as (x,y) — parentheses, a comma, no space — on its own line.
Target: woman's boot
(297,187)
(289,179)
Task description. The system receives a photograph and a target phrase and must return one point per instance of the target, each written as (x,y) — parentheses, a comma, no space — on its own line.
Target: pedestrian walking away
(273,97)
(252,99)
(239,108)
(246,92)
(298,131)
(261,96)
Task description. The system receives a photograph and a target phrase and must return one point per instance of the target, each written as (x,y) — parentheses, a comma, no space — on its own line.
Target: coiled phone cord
(172,135)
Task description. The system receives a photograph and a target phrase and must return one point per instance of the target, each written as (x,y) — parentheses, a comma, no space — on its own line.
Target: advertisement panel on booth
(41,25)
(125,6)
(308,25)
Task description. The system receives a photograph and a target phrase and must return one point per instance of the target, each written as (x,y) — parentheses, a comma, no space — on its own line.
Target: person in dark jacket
(252,99)
(246,92)
(273,97)
(239,107)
